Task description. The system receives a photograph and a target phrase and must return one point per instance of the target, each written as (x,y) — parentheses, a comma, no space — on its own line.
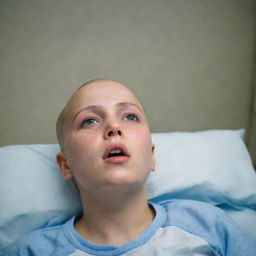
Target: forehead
(103,93)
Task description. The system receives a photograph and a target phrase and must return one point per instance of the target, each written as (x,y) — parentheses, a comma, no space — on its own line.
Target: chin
(122,178)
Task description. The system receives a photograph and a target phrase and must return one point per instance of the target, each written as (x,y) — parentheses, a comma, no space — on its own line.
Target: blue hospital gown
(183,227)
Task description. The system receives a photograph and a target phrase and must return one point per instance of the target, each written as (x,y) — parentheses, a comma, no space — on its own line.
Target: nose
(112,130)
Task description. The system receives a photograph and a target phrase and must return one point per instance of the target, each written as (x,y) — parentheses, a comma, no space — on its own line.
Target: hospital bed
(212,166)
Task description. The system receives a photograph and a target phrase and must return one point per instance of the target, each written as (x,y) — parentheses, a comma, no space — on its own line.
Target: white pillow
(212,166)
(32,190)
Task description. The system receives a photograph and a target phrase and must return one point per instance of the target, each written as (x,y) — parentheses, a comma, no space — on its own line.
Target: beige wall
(190,62)
(252,138)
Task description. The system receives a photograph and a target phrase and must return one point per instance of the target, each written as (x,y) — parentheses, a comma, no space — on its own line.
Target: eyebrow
(99,107)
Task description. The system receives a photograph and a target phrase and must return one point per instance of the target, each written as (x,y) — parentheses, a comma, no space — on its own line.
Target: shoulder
(197,217)
(210,223)
(40,242)
(194,210)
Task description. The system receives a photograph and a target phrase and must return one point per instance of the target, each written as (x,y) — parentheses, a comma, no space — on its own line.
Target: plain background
(190,62)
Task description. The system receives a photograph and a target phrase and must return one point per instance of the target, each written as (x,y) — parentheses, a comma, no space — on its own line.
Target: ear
(153,161)
(64,168)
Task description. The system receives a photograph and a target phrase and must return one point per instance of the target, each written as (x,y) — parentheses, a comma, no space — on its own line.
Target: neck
(105,218)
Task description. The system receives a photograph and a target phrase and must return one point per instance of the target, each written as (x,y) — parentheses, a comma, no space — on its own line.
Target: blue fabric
(192,222)
(205,166)
(211,224)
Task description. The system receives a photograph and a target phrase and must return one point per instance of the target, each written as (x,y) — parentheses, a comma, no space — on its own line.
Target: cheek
(81,148)
(82,140)
(143,138)
(142,144)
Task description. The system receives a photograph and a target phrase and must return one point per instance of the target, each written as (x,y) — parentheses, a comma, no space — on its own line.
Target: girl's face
(107,140)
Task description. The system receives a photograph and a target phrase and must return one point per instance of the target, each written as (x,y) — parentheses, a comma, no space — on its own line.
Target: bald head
(86,95)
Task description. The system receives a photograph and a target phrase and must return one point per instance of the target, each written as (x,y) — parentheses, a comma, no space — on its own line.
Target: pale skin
(101,116)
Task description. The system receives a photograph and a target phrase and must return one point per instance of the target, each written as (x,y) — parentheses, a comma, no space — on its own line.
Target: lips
(116,153)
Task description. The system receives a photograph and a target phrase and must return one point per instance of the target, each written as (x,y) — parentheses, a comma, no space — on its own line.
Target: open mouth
(116,153)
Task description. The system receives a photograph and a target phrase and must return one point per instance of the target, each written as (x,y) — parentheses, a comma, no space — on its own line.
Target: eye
(130,117)
(89,121)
